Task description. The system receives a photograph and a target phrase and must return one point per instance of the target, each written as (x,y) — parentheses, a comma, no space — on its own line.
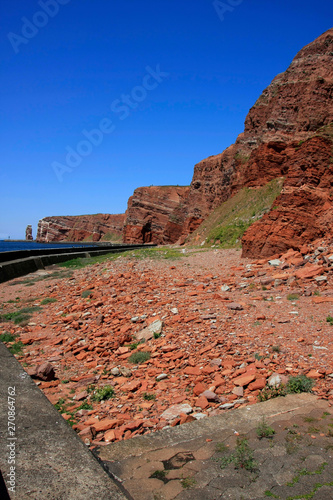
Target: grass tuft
(102,394)
(48,300)
(139,357)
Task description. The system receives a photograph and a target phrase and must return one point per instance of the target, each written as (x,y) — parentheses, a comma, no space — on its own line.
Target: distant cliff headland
(288,134)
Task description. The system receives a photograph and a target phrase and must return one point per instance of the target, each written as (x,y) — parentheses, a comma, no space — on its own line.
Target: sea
(8,246)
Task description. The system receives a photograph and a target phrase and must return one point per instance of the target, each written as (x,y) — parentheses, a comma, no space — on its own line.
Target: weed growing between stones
(309,419)
(292,440)
(17,348)
(295,385)
(149,397)
(103,393)
(62,404)
(188,482)
(305,472)
(160,474)
(293,296)
(329,320)
(7,337)
(21,316)
(264,430)
(271,392)
(48,300)
(221,448)
(300,383)
(242,458)
(139,357)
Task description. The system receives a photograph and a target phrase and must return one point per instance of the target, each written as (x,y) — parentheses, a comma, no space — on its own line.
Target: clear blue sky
(62,77)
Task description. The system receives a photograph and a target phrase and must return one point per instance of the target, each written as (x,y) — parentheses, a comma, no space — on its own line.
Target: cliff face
(295,106)
(155,214)
(288,132)
(304,210)
(82,227)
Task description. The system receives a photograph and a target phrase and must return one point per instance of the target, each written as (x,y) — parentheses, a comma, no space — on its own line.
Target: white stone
(148,333)
(226,406)
(175,410)
(199,416)
(274,262)
(274,380)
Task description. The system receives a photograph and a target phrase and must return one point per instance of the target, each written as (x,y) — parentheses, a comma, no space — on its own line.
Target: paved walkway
(224,458)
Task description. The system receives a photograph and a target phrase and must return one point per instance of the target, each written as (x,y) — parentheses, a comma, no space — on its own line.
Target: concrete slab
(48,459)
(224,457)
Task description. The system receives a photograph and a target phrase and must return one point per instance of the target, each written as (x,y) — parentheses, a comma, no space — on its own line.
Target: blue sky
(179,76)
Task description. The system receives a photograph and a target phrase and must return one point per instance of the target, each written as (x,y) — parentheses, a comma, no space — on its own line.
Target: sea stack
(28,233)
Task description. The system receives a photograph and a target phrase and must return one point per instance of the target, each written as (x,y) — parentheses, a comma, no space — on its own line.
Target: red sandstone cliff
(295,106)
(288,132)
(155,214)
(81,227)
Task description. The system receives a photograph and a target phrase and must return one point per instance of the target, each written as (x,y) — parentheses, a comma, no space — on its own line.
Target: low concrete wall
(41,456)
(21,267)
(23,254)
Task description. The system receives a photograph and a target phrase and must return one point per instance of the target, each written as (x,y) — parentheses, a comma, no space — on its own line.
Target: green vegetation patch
(7,337)
(242,457)
(140,254)
(17,348)
(269,392)
(48,300)
(295,385)
(293,296)
(188,482)
(329,320)
(241,157)
(102,394)
(115,238)
(264,430)
(21,316)
(149,396)
(299,384)
(139,357)
(227,224)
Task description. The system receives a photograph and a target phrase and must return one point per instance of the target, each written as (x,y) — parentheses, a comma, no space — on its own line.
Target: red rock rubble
(205,356)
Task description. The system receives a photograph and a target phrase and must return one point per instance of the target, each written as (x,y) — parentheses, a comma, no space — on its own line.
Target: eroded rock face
(304,210)
(81,227)
(296,105)
(28,233)
(155,214)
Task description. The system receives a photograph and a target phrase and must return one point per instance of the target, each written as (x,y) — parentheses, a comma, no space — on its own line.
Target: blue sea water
(8,246)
